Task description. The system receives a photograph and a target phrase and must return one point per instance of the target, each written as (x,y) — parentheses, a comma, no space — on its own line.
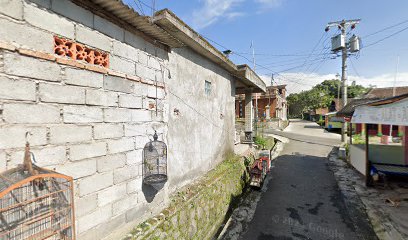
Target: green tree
(354,91)
(320,96)
(330,86)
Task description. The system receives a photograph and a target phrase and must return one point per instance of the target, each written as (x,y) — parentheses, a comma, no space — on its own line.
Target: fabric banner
(391,114)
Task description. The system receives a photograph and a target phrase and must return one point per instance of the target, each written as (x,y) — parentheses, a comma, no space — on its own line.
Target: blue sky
(294,27)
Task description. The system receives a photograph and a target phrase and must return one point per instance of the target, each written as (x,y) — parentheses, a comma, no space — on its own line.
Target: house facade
(270,105)
(91,81)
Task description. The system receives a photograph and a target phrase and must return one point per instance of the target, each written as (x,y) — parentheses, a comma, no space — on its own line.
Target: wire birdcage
(155,161)
(36,203)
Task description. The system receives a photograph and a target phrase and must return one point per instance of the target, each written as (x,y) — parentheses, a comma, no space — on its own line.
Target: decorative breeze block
(77,51)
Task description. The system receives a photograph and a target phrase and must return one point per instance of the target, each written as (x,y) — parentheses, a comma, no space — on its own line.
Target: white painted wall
(357,158)
(203,132)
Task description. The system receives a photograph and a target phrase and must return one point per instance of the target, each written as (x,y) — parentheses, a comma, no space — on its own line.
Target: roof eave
(181,31)
(126,17)
(251,79)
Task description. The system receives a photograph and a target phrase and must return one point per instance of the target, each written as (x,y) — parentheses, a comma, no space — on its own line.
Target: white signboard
(392,114)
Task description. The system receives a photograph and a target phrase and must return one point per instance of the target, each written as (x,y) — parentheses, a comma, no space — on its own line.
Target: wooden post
(363,129)
(401,130)
(367,160)
(379,131)
(351,133)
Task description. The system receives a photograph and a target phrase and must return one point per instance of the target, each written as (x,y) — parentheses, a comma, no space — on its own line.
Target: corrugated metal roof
(388,100)
(386,92)
(348,110)
(168,29)
(141,23)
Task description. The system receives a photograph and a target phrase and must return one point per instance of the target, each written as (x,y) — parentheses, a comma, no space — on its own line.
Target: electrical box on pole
(354,44)
(338,42)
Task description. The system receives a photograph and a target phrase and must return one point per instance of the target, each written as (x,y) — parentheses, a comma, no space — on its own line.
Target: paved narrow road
(302,200)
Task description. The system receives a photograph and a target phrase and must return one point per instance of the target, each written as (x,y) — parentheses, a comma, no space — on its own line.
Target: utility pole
(256,94)
(269,92)
(340,43)
(338,89)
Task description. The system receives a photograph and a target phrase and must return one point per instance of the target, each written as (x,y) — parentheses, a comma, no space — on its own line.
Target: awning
(391,111)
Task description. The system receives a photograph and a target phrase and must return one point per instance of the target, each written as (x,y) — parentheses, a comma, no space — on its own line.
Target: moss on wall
(198,210)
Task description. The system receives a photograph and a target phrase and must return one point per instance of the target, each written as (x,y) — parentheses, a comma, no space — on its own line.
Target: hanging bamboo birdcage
(36,203)
(155,162)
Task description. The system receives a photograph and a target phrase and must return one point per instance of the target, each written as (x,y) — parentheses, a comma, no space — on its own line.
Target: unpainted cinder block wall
(91,123)
(198,210)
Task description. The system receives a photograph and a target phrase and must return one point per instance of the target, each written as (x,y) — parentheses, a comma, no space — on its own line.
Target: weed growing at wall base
(199,209)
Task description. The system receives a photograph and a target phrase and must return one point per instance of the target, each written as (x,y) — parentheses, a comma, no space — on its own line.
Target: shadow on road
(315,127)
(303,201)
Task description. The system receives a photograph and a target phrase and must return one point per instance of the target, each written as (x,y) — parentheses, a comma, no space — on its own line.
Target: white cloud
(269,3)
(233,15)
(214,10)
(297,82)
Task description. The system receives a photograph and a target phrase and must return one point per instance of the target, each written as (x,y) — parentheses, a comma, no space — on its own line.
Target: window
(207,88)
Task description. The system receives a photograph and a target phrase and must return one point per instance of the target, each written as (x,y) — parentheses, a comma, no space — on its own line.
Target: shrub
(357,139)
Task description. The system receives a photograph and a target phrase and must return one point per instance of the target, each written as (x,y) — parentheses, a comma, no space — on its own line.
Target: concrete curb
(352,186)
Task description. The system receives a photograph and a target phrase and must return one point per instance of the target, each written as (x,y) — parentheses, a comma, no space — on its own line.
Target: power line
(385,38)
(354,68)
(299,66)
(308,58)
(277,55)
(139,6)
(386,28)
(146,5)
(294,61)
(267,68)
(302,76)
(324,51)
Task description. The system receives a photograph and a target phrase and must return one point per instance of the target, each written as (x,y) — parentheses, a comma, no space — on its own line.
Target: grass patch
(358,139)
(264,143)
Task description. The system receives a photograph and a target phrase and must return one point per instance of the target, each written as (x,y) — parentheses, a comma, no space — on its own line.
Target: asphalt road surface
(303,200)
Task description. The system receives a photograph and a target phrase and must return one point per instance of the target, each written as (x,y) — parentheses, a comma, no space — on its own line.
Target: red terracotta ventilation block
(77,51)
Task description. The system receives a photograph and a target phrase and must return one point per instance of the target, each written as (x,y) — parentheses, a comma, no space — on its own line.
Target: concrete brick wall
(81,129)
(92,125)
(88,125)
(198,210)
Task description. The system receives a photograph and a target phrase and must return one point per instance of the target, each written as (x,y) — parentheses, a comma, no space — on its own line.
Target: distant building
(270,105)
(315,114)
(386,92)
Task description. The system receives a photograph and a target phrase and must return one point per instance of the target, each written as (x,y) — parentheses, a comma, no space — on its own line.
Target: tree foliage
(320,96)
